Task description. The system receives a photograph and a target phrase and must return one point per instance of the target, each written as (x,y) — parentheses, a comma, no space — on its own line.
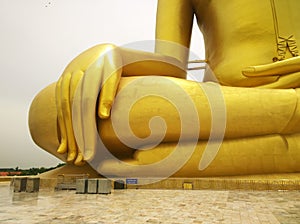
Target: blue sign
(131,181)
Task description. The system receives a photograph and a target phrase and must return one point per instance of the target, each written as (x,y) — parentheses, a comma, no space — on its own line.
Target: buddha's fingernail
(249,70)
(104,112)
(71,157)
(62,148)
(79,160)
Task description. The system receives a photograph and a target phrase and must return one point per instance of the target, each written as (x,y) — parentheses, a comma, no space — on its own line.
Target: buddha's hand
(285,72)
(77,92)
(283,67)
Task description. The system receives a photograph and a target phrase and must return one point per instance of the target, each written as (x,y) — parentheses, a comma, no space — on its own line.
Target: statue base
(284,181)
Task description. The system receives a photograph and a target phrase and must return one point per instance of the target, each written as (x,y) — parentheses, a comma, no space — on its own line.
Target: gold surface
(251,49)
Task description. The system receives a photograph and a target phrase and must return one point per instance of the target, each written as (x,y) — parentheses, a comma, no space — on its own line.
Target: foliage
(27,172)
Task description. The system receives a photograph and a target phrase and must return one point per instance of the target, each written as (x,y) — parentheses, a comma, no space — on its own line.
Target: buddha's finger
(79,161)
(75,100)
(108,93)
(74,84)
(285,82)
(90,85)
(61,125)
(283,67)
(66,109)
(111,77)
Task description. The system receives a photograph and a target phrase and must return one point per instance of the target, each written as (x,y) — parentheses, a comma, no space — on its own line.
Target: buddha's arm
(116,63)
(173,28)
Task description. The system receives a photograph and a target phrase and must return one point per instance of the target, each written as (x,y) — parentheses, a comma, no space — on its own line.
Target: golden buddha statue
(243,119)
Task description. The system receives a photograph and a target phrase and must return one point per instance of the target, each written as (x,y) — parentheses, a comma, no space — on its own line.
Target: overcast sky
(39,38)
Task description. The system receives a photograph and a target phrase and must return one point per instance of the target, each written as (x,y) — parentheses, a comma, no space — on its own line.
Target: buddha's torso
(241,33)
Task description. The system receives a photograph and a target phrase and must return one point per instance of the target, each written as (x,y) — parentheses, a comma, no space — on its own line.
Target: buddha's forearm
(140,63)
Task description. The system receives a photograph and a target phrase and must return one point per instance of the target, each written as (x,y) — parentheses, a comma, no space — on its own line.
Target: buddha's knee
(43,121)
(293,125)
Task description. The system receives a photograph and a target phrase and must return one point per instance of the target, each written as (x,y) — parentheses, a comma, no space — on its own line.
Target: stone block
(19,184)
(104,186)
(92,186)
(119,185)
(33,185)
(81,186)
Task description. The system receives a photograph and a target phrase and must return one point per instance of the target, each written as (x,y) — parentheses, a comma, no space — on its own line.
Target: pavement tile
(150,207)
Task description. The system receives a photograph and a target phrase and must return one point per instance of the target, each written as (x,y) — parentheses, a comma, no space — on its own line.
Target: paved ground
(150,206)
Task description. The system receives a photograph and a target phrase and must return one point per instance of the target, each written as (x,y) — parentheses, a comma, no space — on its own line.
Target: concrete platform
(150,206)
(253,182)
(285,181)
